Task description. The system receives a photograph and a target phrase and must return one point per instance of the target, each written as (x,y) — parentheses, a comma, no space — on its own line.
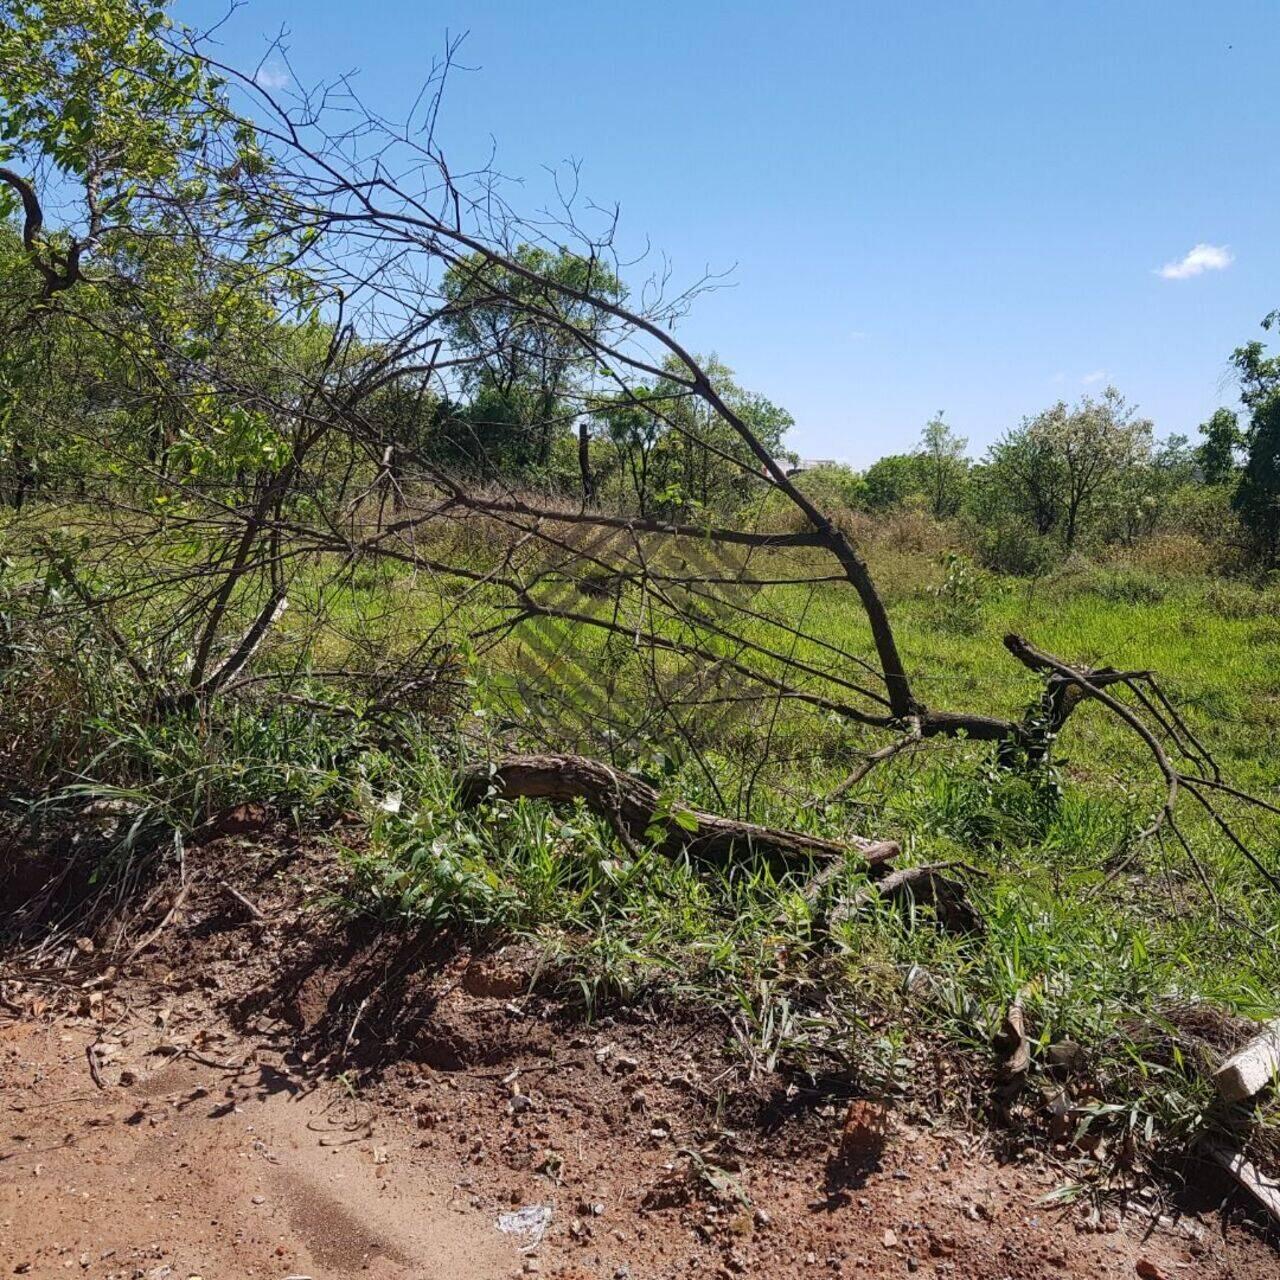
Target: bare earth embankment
(261,1092)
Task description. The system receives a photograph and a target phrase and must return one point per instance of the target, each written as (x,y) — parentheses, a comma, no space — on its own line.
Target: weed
(960,596)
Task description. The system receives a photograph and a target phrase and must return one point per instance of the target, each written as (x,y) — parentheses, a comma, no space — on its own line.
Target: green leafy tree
(526,342)
(1217,456)
(943,467)
(1257,497)
(100,104)
(1024,474)
(163,270)
(1060,469)
(182,343)
(890,481)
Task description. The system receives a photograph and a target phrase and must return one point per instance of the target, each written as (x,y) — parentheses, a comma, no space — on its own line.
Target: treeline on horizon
(174,337)
(1086,477)
(526,416)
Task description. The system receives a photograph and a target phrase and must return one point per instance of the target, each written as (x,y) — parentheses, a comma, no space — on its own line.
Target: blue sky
(928,206)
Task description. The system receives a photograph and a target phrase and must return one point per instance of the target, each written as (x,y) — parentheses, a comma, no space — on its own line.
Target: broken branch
(639,814)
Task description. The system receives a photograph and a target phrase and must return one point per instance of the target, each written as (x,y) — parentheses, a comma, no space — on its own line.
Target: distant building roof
(807,464)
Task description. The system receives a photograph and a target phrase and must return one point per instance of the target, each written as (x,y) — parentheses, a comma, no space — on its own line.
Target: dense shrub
(1244,600)
(1015,548)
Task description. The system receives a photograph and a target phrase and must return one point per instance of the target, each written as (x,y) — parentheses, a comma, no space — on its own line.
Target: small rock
(943,1245)
(1063,1055)
(530,1223)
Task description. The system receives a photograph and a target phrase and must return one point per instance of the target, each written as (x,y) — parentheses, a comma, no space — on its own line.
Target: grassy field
(1124,964)
(1121,949)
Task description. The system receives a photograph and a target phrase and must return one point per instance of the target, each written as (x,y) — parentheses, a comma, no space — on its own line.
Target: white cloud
(1096,376)
(1202,258)
(272,77)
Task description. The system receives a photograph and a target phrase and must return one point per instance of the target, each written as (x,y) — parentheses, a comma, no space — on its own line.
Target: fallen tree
(379,278)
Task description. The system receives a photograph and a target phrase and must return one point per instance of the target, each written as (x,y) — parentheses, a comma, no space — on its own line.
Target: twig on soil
(355,1022)
(178,900)
(251,907)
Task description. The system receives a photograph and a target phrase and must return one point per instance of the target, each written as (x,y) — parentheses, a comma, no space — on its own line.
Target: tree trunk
(584,463)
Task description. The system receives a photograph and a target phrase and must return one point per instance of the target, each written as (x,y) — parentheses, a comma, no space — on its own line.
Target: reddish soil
(280,1097)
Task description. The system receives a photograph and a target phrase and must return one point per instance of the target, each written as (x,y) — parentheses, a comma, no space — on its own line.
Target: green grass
(1115,967)
(1113,964)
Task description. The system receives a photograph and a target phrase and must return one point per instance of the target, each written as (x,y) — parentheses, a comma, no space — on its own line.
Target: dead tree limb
(639,814)
(927,884)
(1090,684)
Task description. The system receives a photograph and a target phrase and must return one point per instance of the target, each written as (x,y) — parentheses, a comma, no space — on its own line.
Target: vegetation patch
(370,503)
